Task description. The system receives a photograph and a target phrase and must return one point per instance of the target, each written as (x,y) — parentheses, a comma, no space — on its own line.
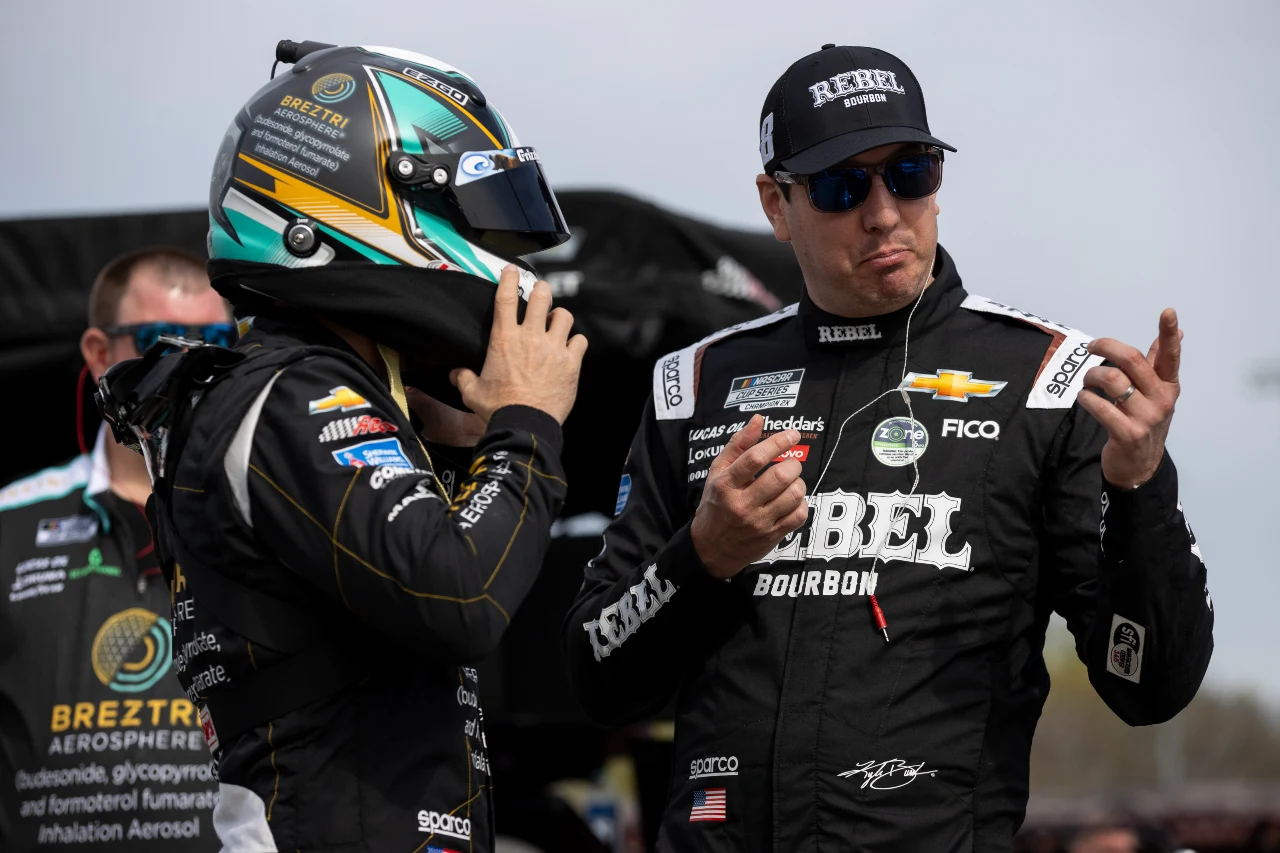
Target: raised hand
(742,516)
(1138,410)
(534,363)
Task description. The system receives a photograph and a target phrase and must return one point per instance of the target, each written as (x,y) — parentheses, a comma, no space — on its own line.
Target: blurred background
(1113,159)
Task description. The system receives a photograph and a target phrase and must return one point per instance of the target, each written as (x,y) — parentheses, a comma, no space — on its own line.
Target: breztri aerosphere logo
(131,651)
(332,88)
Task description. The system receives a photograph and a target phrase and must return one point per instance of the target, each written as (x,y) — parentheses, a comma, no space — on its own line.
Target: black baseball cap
(839,102)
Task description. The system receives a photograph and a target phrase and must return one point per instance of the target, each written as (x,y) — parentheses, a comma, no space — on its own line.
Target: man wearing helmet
(331,575)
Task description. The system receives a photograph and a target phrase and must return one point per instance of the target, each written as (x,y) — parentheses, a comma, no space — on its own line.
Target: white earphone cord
(906,398)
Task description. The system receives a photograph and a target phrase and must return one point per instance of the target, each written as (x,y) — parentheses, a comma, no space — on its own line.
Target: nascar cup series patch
(765,391)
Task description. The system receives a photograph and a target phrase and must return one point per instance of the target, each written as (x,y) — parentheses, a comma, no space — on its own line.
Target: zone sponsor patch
(775,390)
(377,453)
(1128,642)
(65,531)
(351,427)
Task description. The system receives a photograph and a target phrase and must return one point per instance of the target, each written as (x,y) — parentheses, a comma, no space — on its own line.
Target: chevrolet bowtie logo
(957,385)
(340,399)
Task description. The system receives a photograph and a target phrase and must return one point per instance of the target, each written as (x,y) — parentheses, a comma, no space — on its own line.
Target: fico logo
(970,429)
(800,452)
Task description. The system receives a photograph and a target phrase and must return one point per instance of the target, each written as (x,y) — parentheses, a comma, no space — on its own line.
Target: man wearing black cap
(843,527)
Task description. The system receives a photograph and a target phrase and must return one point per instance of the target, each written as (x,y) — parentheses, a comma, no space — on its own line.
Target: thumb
(464,379)
(741,441)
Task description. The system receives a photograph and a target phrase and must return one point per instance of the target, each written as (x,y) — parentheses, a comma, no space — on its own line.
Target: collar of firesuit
(829,331)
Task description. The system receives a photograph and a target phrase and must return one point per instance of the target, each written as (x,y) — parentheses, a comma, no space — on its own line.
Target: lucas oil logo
(765,391)
(130,652)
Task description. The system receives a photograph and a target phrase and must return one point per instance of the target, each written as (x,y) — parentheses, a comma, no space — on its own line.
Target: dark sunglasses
(145,335)
(840,189)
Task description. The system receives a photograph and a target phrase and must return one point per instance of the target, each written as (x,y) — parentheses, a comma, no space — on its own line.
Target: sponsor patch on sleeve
(377,453)
(1061,378)
(65,531)
(624,492)
(1128,642)
(675,380)
(340,399)
(776,390)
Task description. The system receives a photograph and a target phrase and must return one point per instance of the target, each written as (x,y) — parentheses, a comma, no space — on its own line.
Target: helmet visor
(505,197)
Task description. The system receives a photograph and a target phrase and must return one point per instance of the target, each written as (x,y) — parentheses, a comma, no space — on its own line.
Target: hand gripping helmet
(380,188)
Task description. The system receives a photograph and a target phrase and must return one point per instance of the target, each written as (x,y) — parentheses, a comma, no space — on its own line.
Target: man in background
(97,742)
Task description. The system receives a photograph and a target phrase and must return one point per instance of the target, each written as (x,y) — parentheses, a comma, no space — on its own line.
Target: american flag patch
(351,427)
(708,804)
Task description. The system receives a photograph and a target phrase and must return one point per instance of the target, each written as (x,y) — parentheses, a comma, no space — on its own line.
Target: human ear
(94,345)
(774,206)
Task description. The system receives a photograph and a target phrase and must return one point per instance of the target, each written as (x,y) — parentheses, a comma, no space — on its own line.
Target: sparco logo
(714,766)
(1067,370)
(671,381)
(841,334)
(858,80)
(444,824)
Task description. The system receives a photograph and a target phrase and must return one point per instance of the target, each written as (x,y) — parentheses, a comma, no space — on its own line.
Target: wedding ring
(1126,395)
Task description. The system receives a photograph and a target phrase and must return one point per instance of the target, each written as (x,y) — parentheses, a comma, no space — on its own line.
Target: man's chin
(894,286)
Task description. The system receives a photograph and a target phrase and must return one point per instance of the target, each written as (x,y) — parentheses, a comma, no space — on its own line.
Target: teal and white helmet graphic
(378,155)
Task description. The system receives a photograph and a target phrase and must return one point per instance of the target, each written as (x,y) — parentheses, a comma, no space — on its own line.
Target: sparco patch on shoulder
(1061,376)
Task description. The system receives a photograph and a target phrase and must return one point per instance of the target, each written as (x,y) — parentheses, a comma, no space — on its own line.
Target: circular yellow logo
(332,88)
(131,650)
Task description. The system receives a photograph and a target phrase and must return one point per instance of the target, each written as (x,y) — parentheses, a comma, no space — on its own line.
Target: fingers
(506,300)
(738,443)
(1131,361)
(535,312)
(743,471)
(1168,346)
(464,380)
(1114,383)
(560,323)
(578,347)
(1112,418)
(774,482)
(788,499)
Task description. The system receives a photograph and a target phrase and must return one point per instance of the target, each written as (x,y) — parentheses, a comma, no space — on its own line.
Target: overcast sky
(1114,158)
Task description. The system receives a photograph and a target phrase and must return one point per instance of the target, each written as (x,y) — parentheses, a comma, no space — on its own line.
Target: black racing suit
(797,726)
(302,480)
(99,749)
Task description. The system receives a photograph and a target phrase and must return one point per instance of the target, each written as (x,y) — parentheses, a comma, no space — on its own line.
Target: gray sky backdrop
(1114,158)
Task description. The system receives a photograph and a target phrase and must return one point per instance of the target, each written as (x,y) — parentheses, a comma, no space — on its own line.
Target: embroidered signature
(887,775)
